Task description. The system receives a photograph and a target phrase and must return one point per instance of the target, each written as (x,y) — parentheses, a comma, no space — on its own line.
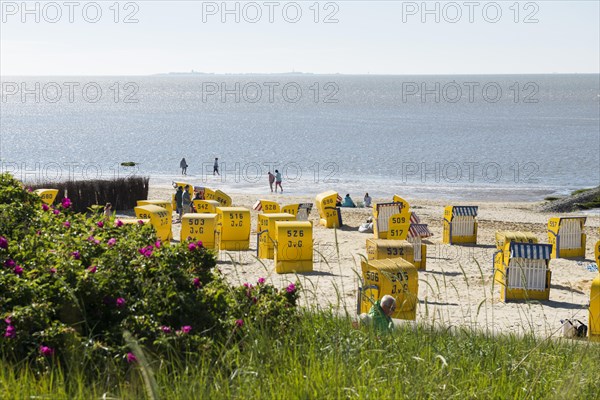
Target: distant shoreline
(357,189)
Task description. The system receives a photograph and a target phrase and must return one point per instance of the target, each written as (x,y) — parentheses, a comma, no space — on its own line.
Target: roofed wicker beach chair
(460,224)
(330,215)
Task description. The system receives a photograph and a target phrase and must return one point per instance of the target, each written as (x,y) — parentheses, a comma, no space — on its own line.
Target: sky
(348,37)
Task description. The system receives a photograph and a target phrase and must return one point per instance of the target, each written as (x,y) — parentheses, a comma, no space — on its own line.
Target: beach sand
(455,290)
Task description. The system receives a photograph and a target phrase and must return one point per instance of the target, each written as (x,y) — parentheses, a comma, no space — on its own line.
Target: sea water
(496,137)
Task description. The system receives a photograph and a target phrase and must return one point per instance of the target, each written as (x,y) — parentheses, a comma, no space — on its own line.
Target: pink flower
(8,320)
(291,288)
(247,285)
(46,351)
(157,244)
(3,243)
(10,332)
(45,207)
(140,222)
(52,270)
(131,358)
(146,251)
(121,302)
(55,212)
(67,224)
(199,243)
(165,329)
(186,329)
(261,281)
(66,203)
(118,223)
(111,242)
(92,269)
(76,254)
(18,270)
(197,282)
(100,224)
(10,263)
(192,246)
(92,239)
(239,323)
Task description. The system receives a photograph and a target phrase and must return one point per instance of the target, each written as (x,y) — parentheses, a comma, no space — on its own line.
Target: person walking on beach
(278,181)
(108,210)
(186,200)
(179,201)
(271,181)
(216,166)
(183,165)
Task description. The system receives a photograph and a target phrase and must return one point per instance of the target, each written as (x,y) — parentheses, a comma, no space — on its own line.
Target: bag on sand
(574,328)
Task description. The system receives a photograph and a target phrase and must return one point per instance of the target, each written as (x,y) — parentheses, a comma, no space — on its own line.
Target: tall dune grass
(325,357)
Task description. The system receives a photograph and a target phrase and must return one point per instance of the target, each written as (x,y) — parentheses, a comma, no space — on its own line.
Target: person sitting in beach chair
(348,201)
(196,197)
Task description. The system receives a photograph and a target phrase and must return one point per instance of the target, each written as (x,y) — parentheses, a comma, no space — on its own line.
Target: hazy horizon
(352,38)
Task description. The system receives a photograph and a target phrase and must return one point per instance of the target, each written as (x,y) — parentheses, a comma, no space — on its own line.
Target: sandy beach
(455,290)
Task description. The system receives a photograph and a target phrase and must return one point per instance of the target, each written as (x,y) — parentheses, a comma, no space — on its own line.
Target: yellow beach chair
(567,237)
(395,277)
(460,224)
(48,195)
(522,270)
(266,207)
(330,215)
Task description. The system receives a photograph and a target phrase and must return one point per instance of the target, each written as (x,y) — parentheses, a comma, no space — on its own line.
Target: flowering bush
(73,283)
(16,207)
(265,305)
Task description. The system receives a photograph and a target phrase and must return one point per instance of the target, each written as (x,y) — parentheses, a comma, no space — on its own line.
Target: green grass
(324,357)
(594,203)
(578,191)
(589,205)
